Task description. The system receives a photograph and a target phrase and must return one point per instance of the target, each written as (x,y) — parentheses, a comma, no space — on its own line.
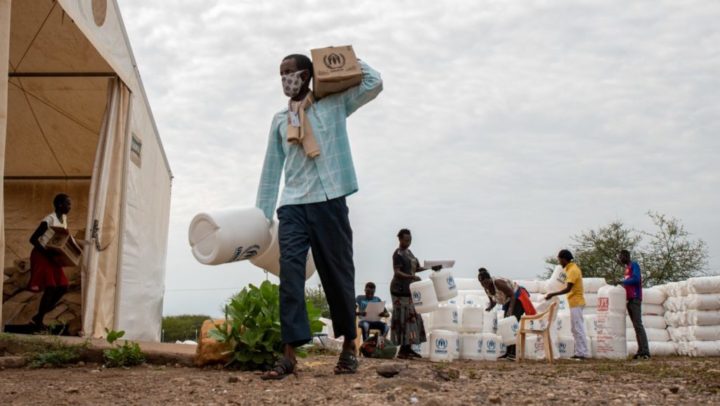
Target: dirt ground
(658,381)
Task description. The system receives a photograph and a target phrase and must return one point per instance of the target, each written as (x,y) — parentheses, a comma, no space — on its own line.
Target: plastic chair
(547,315)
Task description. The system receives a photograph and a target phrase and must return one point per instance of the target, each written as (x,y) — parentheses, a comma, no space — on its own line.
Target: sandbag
(590,299)
(654,309)
(675,319)
(653,334)
(704,284)
(607,347)
(530,286)
(703,348)
(649,321)
(702,302)
(592,285)
(653,296)
(703,333)
(703,317)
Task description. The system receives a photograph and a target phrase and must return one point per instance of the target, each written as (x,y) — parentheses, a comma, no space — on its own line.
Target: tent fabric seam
(42,25)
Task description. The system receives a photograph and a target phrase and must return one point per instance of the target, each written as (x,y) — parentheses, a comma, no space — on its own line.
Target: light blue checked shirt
(327,176)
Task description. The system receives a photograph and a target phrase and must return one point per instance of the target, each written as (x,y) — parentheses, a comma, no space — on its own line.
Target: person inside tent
(576,301)
(362,304)
(308,147)
(407,326)
(46,275)
(515,300)
(633,290)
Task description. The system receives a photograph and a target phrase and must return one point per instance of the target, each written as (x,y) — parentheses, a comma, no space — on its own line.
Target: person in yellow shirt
(576,301)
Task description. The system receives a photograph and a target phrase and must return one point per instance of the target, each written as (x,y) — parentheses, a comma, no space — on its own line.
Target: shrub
(125,355)
(181,328)
(252,326)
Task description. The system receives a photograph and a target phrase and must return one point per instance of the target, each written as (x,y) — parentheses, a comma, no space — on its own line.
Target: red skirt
(44,273)
(527,305)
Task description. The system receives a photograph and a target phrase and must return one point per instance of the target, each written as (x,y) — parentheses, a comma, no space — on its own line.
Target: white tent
(74,118)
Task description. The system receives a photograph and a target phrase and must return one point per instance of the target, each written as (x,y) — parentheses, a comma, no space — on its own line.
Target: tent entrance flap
(104,214)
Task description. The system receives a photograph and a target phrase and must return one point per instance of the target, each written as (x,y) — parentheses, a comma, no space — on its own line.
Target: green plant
(57,354)
(252,326)
(125,355)
(319,300)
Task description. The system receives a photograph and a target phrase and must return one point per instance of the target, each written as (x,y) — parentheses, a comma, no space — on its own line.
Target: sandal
(283,367)
(347,364)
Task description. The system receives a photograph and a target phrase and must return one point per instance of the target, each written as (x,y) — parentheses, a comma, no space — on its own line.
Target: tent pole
(4,59)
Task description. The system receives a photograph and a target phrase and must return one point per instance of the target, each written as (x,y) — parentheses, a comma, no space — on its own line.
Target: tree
(318,299)
(184,327)
(668,255)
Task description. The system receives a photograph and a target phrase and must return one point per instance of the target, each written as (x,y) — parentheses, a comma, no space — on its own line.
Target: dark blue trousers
(324,227)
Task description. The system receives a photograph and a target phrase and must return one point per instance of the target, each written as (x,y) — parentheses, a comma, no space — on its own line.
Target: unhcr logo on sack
(334,61)
(441,346)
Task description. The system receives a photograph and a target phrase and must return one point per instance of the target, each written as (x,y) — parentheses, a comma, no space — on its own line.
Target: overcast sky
(504,127)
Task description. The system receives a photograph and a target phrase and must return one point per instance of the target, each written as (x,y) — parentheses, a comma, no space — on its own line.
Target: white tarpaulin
(78,121)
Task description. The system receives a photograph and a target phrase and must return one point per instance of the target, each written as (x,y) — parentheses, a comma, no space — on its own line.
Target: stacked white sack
(653,319)
(693,314)
(610,339)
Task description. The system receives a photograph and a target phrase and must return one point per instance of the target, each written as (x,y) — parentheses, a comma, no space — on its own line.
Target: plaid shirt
(331,174)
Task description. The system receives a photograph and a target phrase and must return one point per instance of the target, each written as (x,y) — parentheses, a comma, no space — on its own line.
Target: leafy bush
(57,354)
(125,355)
(252,326)
(318,299)
(184,327)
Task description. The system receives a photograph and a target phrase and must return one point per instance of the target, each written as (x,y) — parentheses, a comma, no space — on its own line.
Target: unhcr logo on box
(334,61)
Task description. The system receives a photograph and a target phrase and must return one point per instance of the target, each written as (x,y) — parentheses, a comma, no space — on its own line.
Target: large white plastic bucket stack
(446,318)
(222,236)
(472,319)
(423,296)
(507,329)
(471,346)
(270,259)
(610,341)
(443,345)
(445,288)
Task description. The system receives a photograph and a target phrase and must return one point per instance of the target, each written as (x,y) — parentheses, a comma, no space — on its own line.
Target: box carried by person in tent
(64,246)
(335,69)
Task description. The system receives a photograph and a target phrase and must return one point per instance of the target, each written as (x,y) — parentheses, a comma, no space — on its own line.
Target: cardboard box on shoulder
(335,70)
(63,244)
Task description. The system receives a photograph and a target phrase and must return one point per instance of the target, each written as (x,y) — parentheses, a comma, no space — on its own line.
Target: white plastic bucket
(442,345)
(566,346)
(446,318)
(471,346)
(423,296)
(507,329)
(472,319)
(556,281)
(229,235)
(473,300)
(563,325)
(489,322)
(445,288)
(491,346)
(270,259)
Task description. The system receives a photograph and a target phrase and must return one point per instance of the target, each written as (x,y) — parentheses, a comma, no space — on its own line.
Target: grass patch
(43,352)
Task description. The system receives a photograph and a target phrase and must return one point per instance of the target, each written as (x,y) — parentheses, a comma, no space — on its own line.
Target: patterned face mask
(292,82)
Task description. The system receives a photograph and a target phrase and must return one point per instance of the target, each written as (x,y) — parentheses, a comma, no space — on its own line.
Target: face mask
(292,82)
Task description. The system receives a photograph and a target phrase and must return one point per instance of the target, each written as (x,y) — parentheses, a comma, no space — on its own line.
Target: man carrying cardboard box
(309,139)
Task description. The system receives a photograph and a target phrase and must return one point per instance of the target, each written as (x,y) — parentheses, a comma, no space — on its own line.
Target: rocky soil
(658,381)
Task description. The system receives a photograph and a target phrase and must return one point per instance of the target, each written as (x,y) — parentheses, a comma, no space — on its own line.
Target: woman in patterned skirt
(407,326)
